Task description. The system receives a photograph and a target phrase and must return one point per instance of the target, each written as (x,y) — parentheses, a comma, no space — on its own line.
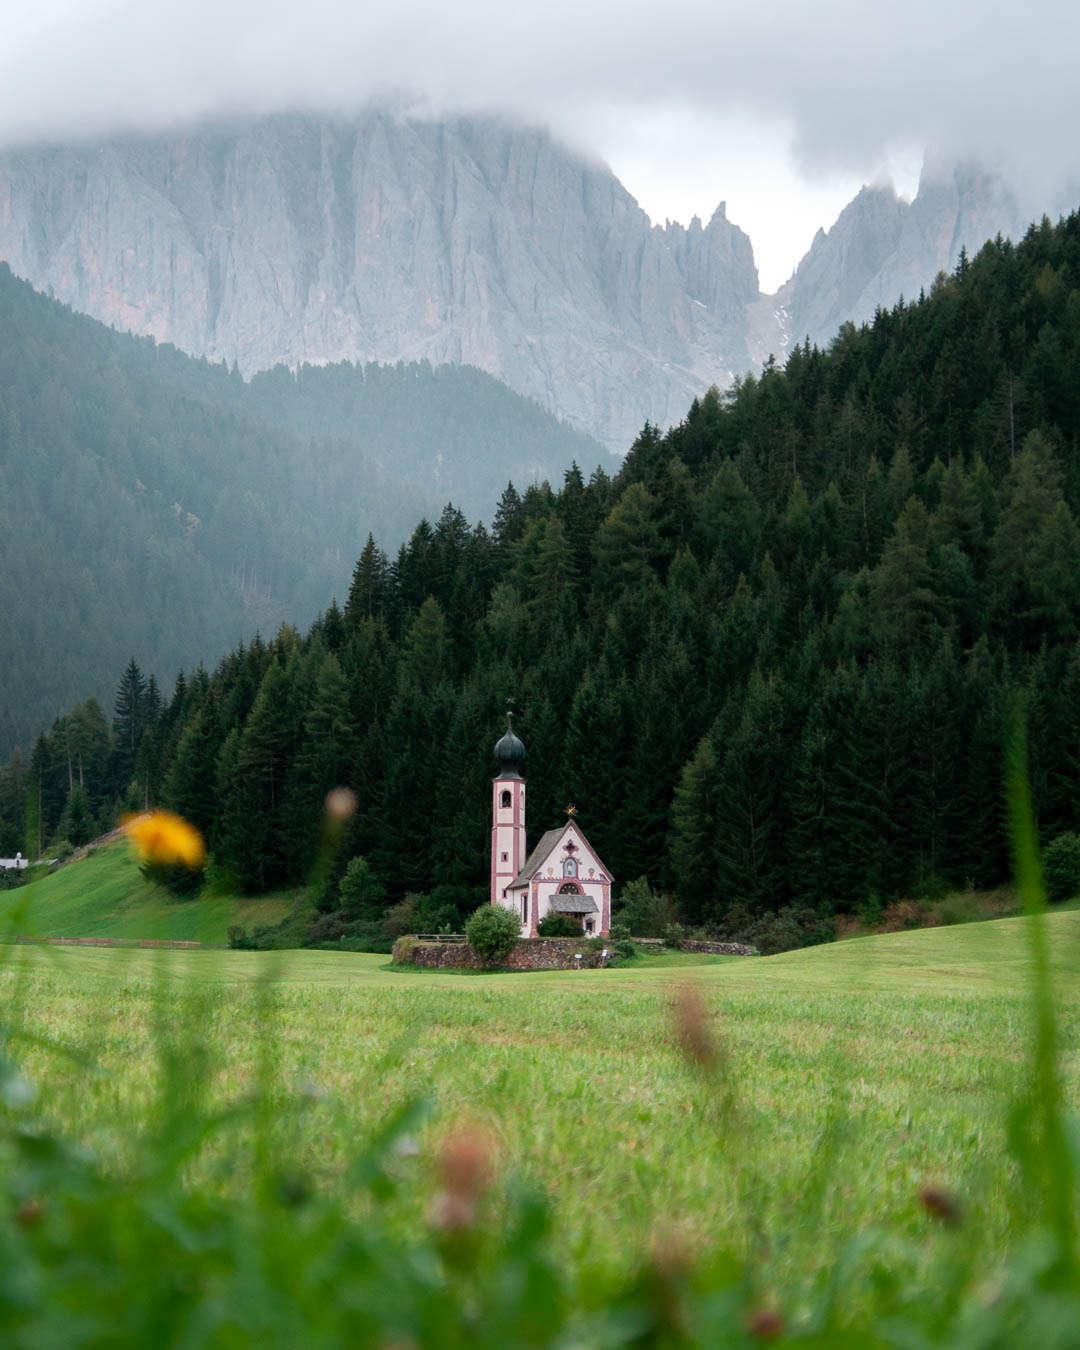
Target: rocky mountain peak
(293,239)
(383,238)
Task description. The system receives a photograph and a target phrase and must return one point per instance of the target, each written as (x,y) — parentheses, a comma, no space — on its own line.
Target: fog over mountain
(294,239)
(992,80)
(461,240)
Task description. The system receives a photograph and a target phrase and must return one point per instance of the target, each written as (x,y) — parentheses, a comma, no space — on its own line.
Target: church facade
(563,873)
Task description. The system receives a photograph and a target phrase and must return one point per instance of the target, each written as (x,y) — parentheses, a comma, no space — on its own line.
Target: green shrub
(362,894)
(558,925)
(619,932)
(337,930)
(735,921)
(401,918)
(790,927)
(1061,867)
(959,907)
(492,931)
(645,912)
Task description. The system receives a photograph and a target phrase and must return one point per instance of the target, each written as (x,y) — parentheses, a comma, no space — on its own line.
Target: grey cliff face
(294,239)
(882,248)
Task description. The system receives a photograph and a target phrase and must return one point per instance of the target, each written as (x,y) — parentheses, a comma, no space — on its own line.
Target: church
(563,874)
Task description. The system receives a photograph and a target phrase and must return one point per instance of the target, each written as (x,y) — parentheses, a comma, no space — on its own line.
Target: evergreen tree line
(129,470)
(771,661)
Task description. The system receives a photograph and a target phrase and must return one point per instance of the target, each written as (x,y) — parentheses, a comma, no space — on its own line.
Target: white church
(563,873)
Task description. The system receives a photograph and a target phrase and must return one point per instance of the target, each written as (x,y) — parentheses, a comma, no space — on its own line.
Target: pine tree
(750,811)
(129,720)
(369,581)
(190,786)
(627,545)
(259,849)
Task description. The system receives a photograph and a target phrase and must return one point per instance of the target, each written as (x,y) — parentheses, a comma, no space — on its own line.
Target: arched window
(506,797)
(569,888)
(569,867)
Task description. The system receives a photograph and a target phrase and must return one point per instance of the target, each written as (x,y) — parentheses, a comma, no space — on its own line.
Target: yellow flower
(161,837)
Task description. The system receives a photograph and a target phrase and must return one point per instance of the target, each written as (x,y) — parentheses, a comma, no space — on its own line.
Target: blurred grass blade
(1049,1154)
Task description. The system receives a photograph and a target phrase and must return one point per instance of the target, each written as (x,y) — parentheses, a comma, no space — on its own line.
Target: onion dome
(509,752)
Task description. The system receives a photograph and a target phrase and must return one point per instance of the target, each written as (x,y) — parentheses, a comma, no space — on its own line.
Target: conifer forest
(770,659)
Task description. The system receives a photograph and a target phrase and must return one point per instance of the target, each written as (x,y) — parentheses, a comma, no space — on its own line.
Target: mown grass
(894,1058)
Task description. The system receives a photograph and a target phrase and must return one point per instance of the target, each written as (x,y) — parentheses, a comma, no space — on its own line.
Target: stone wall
(525,954)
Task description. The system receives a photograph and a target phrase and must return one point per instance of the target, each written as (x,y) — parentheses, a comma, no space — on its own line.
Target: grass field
(104,895)
(853,1076)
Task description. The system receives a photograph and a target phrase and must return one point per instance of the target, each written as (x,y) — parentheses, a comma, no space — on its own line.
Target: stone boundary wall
(525,954)
(717,948)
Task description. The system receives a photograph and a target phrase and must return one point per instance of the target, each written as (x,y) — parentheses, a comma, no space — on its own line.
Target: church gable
(563,854)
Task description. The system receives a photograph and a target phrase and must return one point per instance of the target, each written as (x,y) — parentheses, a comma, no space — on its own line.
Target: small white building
(563,873)
(15,864)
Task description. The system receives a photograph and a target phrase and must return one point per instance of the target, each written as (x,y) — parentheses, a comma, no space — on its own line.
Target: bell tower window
(505,799)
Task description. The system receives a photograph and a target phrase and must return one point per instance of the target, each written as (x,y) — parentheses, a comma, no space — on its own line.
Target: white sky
(679,164)
(783,110)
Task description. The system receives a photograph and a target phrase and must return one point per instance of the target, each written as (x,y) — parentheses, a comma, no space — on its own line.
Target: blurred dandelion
(340,803)
(30,1213)
(765,1325)
(165,839)
(941,1204)
(465,1169)
(691,1020)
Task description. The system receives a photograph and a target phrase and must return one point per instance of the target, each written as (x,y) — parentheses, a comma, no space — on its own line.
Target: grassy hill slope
(105,895)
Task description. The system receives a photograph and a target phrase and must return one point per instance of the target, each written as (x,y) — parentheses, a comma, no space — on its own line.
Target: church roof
(543,850)
(537,857)
(573,904)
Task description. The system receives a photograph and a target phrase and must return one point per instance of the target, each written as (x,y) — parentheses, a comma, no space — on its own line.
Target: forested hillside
(150,502)
(770,662)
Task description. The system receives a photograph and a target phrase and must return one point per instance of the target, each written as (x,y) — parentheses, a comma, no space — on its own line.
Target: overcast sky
(782,109)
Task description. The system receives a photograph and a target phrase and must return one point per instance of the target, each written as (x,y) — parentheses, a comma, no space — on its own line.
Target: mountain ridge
(293,239)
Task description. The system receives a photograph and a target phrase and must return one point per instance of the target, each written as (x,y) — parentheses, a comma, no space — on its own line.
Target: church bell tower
(507,817)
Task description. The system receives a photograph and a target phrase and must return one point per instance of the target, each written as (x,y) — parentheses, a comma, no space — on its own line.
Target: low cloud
(852,82)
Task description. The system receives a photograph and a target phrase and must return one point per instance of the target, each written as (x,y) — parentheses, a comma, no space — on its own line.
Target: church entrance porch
(570,900)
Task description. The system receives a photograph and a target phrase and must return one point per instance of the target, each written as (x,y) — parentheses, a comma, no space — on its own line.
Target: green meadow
(848,1079)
